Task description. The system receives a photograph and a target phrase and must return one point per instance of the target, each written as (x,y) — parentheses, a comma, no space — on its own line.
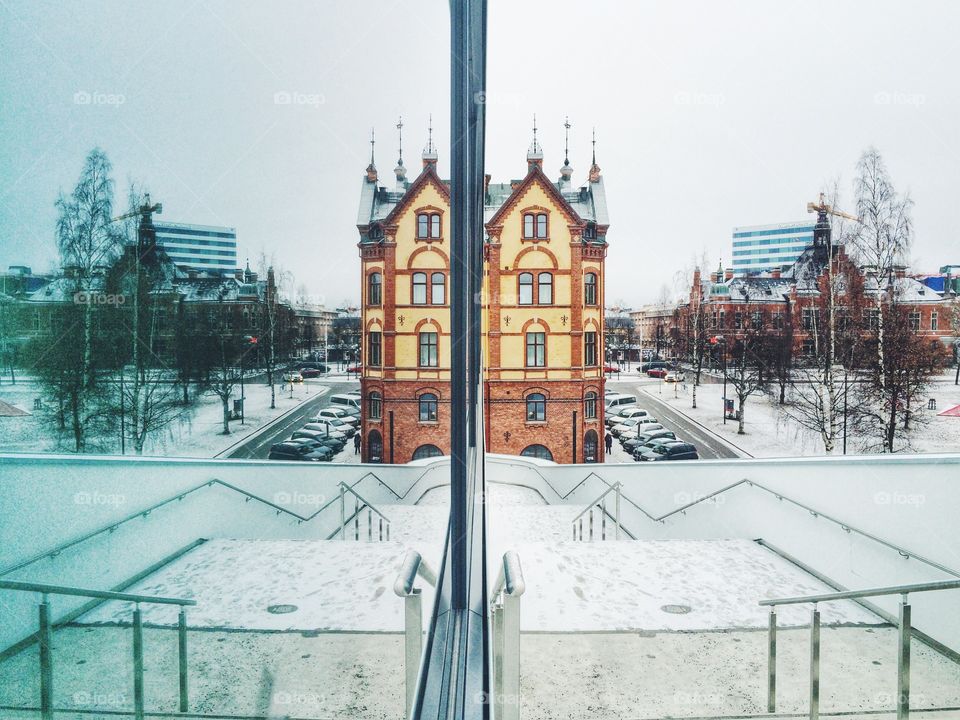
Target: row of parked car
(324,435)
(641,434)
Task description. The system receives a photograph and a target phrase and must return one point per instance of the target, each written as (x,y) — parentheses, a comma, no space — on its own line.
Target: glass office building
(757,248)
(199,247)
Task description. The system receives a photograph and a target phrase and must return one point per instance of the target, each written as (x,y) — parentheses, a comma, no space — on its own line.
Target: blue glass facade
(764,247)
(199,247)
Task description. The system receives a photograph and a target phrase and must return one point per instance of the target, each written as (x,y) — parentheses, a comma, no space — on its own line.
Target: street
(707,444)
(258,447)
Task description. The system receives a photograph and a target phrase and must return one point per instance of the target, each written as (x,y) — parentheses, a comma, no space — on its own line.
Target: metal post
(603,519)
(772,662)
(815,664)
(138,663)
(510,689)
(343,519)
(356,518)
(182,648)
(497,619)
(412,644)
(618,511)
(369,525)
(903,662)
(591,524)
(46,661)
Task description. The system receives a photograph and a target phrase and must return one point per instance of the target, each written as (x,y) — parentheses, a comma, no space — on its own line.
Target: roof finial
(535,146)
(400,140)
(373,140)
(429,152)
(594,168)
(566,140)
(535,153)
(372,168)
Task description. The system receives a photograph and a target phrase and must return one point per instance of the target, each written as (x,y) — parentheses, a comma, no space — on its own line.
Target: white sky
(708,114)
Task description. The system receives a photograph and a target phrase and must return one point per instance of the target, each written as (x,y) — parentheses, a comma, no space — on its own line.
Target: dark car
(332,444)
(309,372)
(300,452)
(672,451)
(654,364)
(320,367)
(643,438)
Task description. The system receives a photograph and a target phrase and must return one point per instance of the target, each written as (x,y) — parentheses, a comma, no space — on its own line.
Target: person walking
(608,441)
(356,444)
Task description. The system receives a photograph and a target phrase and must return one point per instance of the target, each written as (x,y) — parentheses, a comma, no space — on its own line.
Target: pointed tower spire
(430,152)
(535,152)
(372,168)
(566,172)
(594,168)
(400,171)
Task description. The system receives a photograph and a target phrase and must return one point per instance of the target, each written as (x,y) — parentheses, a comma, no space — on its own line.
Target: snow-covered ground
(196,432)
(771,432)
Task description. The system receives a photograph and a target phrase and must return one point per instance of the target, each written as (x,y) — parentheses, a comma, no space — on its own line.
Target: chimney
(775,273)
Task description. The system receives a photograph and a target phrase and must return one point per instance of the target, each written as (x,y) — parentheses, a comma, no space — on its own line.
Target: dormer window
(590,231)
(428,226)
(376,233)
(534,226)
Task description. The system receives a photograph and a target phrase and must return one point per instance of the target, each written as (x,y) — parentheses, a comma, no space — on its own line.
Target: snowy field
(196,432)
(770,432)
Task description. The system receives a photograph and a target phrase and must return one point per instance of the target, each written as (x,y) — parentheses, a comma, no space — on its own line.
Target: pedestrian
(608,441)
(356,444)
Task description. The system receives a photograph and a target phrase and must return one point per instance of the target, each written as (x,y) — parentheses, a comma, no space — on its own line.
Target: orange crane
(145,209)
(822,208)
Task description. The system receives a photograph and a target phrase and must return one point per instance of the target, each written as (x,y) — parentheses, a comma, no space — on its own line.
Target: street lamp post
(248,341)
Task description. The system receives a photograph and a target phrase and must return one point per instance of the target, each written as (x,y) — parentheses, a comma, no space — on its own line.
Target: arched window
(535,226)
(590,446)
(374,405)
(374,446)
(427,451)
(419,288)
(374,294)
(428,407)
(438,288)
(434,226)
(526,288)
(536,407)
(545,289)
(590,289)
(423,225)
(537,451)
(590,405)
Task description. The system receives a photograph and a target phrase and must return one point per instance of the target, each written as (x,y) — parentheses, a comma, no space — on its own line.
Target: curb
(259,431)
(713,433)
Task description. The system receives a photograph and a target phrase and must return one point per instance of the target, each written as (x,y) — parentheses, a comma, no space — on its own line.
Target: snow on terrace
(571,586)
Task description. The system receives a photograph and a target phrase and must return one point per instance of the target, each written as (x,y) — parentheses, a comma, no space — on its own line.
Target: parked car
(648,446)
(314,366)
(623,426)
(346,401)
(335,424)
(615,402)
(335,444)
(292,377)
(657,372)
(309,372)
(326,427)
(624,414)
(300,452)
(611,369)
(636,430)
(647,366)
(357,369)
(631,444)
(674,376)
(339,413)
(672,451)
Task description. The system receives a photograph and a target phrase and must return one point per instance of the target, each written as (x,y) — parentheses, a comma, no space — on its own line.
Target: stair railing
(413,565)
(600,503)
(903,639)
(505,613)
(359,505)
(45,638)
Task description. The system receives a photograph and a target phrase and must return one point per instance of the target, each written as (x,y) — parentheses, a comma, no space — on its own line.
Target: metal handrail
(871,592)
(577,522)
(413,565)
(45,639)
(359,497)
(357,509)
(904,634)
(505,616)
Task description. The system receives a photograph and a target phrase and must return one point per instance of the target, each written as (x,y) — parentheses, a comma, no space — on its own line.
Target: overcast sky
(708,115)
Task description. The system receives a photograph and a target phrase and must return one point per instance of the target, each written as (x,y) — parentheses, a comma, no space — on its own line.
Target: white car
(640,428)
(625,414)
(336,414)
(325,430)
(674,376)
(292,377)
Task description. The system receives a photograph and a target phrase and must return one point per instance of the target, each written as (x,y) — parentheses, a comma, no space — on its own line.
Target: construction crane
(144,210)
(824,209)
